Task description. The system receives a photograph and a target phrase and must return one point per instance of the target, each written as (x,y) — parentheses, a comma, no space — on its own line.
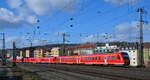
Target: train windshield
(125,56)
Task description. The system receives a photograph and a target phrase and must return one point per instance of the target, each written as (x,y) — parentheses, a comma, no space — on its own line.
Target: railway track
(95,72)
(112,73)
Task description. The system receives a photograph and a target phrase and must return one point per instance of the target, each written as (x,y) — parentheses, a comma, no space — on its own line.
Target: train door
(54,60)
(49,60)
(60,60)
(105,59)
(38,60)
(79,60)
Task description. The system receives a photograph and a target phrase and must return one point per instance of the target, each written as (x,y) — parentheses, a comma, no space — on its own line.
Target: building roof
(147,45)
(87,46)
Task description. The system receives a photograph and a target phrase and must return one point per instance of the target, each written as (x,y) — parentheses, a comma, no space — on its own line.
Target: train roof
(102,54)
(91,54)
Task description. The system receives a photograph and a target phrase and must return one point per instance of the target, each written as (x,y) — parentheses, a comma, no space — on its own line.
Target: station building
(84,49)
(55,52)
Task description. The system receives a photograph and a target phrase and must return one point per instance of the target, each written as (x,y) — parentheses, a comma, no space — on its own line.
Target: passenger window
(113,57)
(118,57)
(90,58)
(99,58)
(95,58)
(109,57)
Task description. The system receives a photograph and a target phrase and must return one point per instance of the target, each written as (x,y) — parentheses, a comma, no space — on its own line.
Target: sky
(44,21)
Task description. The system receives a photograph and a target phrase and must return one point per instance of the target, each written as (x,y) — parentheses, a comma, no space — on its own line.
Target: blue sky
(91,18)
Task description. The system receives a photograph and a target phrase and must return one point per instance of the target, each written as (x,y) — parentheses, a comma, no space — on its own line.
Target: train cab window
(81,58)
(109,57)
(113,57)
(118,57)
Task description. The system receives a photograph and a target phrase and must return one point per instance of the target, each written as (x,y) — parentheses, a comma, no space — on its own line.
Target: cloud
(25,12)
(88,39)
(126,31)
(130,31)
(9,20)
(7,15)
(104,37)
(59,33)
(18,40)
(92,38)
(41,41)
(44,7)
(122,32)
(11,39)
(15,3)
(122,2)
(32,19)
(146,26)
(23,42)
(40,7)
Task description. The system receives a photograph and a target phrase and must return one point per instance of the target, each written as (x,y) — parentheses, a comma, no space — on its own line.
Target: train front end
(126,58)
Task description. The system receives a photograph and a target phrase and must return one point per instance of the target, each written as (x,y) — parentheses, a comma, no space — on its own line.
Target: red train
(118,58)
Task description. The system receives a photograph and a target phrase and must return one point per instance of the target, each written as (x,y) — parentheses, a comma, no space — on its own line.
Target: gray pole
(3,51)
(14,54)
(31,44)
(64,43)
(140,11)
(80,38)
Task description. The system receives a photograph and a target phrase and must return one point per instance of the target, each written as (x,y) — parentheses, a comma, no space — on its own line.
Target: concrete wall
(133,55)
(38,53)
(147,56)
